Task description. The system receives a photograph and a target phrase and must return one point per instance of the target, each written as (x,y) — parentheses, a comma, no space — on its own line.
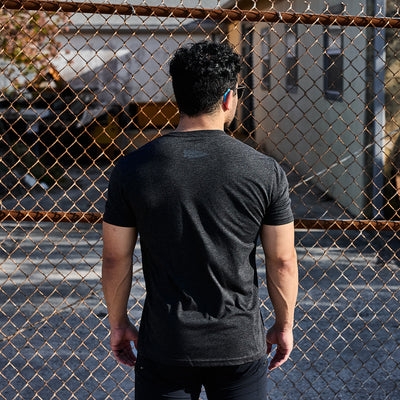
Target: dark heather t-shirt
(198,200)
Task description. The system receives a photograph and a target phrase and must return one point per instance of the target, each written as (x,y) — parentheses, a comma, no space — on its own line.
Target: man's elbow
(286,261)
(111,262)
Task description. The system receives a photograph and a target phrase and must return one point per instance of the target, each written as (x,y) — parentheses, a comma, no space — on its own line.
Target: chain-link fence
(83,83)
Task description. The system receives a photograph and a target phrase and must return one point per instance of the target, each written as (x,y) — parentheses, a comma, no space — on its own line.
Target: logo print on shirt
(194,154)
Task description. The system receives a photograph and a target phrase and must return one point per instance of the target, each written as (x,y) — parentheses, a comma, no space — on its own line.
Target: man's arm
(118,246)
(282,283)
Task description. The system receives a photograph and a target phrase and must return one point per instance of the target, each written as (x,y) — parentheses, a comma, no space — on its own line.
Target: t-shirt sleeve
(118,210)
(279,211)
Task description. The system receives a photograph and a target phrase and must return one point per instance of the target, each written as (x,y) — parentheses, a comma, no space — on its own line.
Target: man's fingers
(278,359)
(125,356)
(120,340)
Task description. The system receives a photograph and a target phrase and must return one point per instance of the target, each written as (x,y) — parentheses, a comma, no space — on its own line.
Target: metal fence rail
(84,83)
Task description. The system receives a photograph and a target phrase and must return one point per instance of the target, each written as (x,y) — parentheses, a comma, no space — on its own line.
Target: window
(266,59)
(333,64)
(292,64)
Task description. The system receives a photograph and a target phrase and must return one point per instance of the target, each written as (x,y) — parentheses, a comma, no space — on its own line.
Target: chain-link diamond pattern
(82,85)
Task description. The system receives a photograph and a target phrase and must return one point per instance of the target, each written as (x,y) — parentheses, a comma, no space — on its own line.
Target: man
(199,200)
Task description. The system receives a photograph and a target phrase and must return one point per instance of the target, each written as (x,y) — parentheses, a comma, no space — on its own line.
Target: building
(309,100)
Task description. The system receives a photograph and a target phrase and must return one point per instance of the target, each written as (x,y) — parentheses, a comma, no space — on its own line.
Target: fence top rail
(217,14)
(95,218)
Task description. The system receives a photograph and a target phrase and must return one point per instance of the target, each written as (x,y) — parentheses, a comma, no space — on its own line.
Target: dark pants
(154,381)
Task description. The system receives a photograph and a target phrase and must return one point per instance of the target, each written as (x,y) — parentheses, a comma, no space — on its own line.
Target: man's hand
(120,341)
(284,341)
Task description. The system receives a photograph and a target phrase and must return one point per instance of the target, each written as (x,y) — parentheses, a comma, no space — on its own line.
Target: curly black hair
(201,74)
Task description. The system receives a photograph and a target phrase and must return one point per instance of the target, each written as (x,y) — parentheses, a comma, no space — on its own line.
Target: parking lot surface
(54,335)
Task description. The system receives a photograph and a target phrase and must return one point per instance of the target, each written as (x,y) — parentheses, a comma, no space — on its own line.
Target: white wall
(320,137)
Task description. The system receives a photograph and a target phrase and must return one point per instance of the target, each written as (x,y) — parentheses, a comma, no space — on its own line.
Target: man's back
(198,200)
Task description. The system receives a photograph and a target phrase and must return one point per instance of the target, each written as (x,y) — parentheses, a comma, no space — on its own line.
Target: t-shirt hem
(118,223)
(207,363)
(279,222)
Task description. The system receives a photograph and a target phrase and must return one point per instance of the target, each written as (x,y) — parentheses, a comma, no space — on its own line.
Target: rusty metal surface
(54,216)
(203,13)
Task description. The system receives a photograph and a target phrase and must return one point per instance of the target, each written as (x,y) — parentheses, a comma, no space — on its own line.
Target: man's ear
(227,102)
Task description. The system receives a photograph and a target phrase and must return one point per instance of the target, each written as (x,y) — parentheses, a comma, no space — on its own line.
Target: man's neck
(204,122)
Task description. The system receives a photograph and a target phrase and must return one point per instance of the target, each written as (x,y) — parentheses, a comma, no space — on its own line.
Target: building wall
(320,137)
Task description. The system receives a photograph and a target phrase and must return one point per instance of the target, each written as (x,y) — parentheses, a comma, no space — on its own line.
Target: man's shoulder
(140,152)
(252,154)
(223,144)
